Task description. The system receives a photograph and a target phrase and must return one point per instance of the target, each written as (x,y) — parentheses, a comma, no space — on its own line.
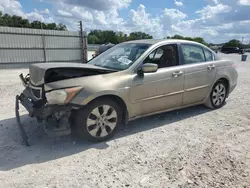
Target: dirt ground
(193,147)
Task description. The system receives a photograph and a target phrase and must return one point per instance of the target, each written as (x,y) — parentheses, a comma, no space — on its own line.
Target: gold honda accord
(128,81)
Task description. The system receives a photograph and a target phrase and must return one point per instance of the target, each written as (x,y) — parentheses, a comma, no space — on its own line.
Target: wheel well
(226,81)
(120,102)
(117,99)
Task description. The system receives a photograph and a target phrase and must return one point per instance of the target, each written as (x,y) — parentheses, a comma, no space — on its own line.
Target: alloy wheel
(102,121)
(219,94)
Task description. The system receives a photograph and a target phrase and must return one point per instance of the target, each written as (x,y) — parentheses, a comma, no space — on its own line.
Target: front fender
(85,97)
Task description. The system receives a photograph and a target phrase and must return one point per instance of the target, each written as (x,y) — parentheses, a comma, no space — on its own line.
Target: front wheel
(99,120)
(218,95)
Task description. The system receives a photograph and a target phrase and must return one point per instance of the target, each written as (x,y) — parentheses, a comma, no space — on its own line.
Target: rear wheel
(218,95)
(99,120)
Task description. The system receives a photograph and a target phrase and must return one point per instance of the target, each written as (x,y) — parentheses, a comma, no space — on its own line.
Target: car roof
(155,41)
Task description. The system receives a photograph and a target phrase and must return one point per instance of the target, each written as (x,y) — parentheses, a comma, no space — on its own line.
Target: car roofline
(159,41)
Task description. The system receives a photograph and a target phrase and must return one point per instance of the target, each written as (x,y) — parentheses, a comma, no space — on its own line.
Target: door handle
(176,74)
(210,67)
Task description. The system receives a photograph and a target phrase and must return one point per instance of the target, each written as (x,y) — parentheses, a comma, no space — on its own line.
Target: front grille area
(36,93)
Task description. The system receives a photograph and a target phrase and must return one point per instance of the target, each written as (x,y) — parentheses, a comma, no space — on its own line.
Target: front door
(163,89)
(200,73)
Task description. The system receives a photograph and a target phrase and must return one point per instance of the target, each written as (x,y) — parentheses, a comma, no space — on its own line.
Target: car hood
(49,72)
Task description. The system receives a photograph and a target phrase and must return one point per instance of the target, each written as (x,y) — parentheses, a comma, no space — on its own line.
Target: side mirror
(148,68)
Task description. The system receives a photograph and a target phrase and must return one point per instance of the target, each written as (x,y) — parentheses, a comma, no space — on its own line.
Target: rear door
(200,72)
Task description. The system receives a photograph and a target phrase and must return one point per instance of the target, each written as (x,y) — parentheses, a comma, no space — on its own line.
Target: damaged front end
(54,116)
(52,106)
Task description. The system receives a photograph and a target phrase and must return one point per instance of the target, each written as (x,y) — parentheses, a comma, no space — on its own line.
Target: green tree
(92,39)
(195,39)
(139,35)
(25,23)
(175,37)
(102,37)
(17,21)
(7,20)
(121,36)
(62,27)
(51,26)
(233,43)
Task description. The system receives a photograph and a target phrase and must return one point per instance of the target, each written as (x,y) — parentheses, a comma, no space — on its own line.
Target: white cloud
(34,16)
(70,14)
(178,3)
(73,12)
(220,20)
(215,1)
(170,20)
(211,11)
(101,5)
(45,11)
(244,2)
(64,13)
(159,26)
(174,14)
(140,20)
(11,7)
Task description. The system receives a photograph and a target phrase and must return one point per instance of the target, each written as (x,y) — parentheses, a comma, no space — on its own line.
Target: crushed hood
(39,71)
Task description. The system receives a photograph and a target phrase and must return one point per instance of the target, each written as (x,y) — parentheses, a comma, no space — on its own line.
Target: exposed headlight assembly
(62,96)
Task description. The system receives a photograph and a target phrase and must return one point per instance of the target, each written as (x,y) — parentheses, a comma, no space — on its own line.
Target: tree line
(18,21)
(101,37)
(236,43)
(195,39)
(231,43)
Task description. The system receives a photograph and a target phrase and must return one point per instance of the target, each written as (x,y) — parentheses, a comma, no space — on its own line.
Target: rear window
(192,54)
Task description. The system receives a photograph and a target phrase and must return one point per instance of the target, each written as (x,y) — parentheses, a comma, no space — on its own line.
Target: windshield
(120,57)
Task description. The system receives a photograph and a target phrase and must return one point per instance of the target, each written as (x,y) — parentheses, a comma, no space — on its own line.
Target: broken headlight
(62,96)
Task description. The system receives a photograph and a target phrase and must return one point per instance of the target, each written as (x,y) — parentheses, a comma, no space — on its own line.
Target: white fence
(20,47)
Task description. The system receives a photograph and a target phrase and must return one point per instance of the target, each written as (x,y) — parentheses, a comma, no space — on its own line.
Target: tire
(93,125)
(217,95)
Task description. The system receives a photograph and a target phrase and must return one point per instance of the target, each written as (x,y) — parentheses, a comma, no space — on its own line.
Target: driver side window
(164,56)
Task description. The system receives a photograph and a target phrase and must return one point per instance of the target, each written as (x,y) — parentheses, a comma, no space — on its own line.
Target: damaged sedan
(128,81)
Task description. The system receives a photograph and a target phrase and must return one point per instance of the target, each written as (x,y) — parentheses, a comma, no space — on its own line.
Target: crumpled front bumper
(54,117)
(26,99)
(22,130)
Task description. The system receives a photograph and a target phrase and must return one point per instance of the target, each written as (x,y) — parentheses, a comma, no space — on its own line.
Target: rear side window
(192,54)
(208,55)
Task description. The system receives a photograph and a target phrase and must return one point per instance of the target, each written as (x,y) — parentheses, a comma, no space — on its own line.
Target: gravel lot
(193,147)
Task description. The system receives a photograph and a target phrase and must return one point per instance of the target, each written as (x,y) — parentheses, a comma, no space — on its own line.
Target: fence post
(85,47)
(83,43)
(44,48)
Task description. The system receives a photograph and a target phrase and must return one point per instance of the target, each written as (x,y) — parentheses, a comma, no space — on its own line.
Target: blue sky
(215,20)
